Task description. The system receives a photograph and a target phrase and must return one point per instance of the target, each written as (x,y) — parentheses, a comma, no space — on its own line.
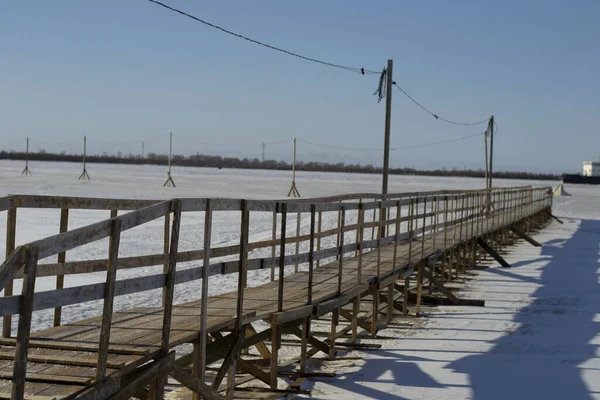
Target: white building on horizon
(591,168)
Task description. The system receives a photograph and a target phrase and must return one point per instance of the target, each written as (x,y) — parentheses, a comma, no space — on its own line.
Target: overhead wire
(230,144)
(290,53)
(128,141)
(434,114)
(391,149)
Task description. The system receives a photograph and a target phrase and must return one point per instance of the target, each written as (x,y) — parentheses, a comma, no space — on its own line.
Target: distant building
(591,168)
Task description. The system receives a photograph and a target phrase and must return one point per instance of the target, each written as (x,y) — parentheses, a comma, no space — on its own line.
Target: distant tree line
(208,161)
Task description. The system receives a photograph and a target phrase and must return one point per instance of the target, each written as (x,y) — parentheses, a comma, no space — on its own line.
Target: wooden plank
(200,365)
(83,203)
(282,257)
(54,379)
(60,279)
(293,314)
(232,355)
(275,340)
(55,244)
(84,347)
(157,369)
(492,253)
(260,346)
(166,244)
(101,390)
(60,360)
(194,384)
(8,269)
(24,329)
(170,276)
(109,297)
(243,258)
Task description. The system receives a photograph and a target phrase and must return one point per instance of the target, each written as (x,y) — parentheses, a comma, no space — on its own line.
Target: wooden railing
(339,227)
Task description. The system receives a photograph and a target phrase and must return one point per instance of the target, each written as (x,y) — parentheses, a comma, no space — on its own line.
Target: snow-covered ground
(146,182)
(537,337)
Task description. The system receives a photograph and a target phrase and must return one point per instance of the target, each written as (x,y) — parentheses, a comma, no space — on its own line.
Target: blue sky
(125,71)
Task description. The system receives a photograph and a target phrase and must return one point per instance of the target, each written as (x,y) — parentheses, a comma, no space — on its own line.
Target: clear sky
(125,71)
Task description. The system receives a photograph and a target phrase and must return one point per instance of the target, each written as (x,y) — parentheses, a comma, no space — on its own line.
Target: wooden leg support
(275,339)
(192,383)
(230,360)
(492,253)
(525,236)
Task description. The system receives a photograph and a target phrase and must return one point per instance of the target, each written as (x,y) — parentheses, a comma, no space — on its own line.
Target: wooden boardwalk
(417,240)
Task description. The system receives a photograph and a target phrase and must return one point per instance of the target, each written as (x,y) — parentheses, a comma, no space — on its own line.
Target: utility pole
(388,121)
(491,150)
(142,149)
(293,190)
(263,151)
(485,143)
(169,182)
(26,171)
(84,175)
(386,146)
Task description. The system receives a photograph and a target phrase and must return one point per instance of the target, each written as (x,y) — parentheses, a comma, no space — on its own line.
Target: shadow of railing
(545,356)
(542,358)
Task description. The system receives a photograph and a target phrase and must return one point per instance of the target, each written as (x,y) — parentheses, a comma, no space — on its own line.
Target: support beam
(525,236)
(554,217)
(192,383)
(233,355)
(493,253)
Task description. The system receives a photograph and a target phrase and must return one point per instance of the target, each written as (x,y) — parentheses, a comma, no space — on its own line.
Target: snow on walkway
(537,336)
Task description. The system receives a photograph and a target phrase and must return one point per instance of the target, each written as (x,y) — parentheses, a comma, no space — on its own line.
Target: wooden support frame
(524,209)
(11,231)
(493,253)
(525,236)
(109,297)
(24,330)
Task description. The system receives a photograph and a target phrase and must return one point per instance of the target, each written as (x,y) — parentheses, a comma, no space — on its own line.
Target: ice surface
(536,337)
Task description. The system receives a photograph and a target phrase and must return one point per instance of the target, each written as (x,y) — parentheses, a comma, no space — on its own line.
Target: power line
(393,149)
(232,144)
(337,147)
(344,67)
(437,116)
(129,141)
(438,143)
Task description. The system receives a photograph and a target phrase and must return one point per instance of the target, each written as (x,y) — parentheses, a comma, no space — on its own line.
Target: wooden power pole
(491,173)
(84,175)
(388,122)
(293,190)
(26,171)
(169,182)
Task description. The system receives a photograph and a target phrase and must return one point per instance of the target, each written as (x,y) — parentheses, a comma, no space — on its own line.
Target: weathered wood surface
(63,360)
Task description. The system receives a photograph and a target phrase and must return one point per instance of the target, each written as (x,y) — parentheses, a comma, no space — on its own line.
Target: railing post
(444,255)
(320,229)
(24,330)
(410,245)
(341,229)
(157,387)
(273,236)
(11,230)
(275,333)
(298,223)
(109,298)
(359,249)
(166,242)
(199,367)
(62,256)
(306,320)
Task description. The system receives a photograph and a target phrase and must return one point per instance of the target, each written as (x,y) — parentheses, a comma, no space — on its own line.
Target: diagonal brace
(492,253)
